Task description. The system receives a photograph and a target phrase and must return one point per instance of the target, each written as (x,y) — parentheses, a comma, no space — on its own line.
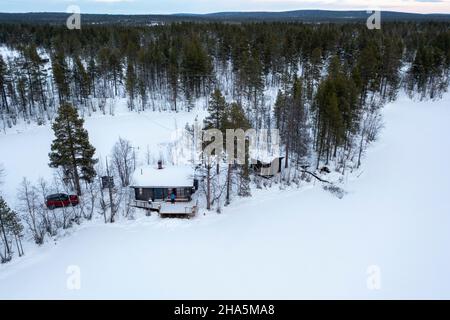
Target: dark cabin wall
(147,193)
(145,196)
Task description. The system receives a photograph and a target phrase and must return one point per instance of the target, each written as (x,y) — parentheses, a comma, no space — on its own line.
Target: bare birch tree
(123,161)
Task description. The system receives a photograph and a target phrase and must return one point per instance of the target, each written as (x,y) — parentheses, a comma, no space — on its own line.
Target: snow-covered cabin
(267,166)
(157,183)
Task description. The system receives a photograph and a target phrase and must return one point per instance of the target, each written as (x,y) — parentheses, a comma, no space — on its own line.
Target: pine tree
(217,114)
(313,72)
(369,65)
(327,117)
(173,76)
(238,120)
(217,109)
(195,67)
(16,228)
(71,149)
(3,73)
(131,85)
(115,67)
(61,75)
(92,73)
(300,138)
(23,100)
(82,81)
(290,117)
(4,213)
(10,227)
(37,75)
(142,90)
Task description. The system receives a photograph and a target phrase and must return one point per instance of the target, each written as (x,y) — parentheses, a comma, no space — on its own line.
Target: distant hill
(322,15)
(309,16)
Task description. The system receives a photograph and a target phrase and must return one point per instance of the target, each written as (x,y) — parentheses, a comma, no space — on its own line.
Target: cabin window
(181,193)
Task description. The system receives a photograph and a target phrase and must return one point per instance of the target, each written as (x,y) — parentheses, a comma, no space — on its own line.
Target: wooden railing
(145,205)
(189,211)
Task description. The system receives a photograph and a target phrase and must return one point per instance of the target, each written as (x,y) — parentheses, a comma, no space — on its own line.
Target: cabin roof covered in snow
(169,176)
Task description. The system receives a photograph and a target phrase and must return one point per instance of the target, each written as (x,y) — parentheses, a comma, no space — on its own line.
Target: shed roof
(168,177)
(266,159)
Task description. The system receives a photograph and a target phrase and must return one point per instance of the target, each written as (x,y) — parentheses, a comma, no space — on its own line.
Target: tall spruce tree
(71,149)
(291,121)
(131,85)
(3,82)
(238,120)
(217,110)
(217,114)
(81,79)
(34,67)
(61,76)
(4,213)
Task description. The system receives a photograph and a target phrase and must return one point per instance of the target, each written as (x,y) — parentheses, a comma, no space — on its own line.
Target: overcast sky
(205,6)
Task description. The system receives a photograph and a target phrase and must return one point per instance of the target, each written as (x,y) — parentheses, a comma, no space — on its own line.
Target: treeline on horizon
(292,16)
(331,78)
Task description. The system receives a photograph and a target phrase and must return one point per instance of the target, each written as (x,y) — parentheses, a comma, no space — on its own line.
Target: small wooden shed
(267,167)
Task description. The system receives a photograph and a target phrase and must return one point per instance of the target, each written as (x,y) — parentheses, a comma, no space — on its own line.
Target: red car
(61,200)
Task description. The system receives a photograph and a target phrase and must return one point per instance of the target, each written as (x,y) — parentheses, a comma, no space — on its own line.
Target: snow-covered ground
(25,148)
(298,243)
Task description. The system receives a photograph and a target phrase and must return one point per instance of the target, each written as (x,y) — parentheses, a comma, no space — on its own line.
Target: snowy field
(298,243)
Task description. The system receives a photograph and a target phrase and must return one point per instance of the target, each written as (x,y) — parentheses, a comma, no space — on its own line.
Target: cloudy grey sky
(205,6)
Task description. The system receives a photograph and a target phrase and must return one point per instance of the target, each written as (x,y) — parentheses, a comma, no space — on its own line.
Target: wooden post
(111,200)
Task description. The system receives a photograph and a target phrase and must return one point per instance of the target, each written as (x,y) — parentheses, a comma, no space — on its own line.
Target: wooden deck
(177,210)
(154,206)
(166,209)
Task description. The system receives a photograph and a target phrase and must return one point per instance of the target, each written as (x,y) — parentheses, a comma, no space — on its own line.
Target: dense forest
(320,85)
(331,78)
(297,16)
